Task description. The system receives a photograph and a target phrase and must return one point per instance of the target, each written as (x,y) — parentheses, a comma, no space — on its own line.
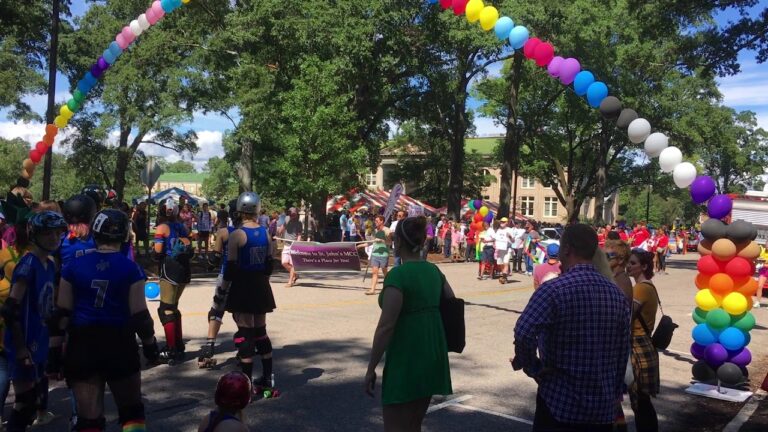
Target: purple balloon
(568,70)
(102,63)
(698,351)
(489,217)
(720,206)
(715,355)
(702,189)
(96,71)
(478,204)
(741,357)
(553,68)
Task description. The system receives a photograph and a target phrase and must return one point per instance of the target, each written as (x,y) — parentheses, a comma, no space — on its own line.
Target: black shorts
(203,235)
(250,292)
(110,353)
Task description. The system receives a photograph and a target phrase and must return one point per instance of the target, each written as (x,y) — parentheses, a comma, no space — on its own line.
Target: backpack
(662,337)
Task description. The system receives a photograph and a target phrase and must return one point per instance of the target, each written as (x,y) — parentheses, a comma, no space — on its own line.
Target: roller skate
(206,360)
(171,356)
(264,388)
(503,278)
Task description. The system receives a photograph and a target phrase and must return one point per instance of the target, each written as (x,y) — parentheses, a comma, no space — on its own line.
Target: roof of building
(183,177)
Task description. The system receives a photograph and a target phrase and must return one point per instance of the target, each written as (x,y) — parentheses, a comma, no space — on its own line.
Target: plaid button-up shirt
(580,324)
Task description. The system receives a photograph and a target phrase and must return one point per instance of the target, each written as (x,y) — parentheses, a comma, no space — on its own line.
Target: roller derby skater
(216,314)
(173,252)
(233,393)
(250,298)
(78,212)
(101,309)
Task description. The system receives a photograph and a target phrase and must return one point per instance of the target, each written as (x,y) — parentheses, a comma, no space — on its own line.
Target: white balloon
(655,143)
(669,158)
(143,22)
(684,174)
(136,28)
(639,130)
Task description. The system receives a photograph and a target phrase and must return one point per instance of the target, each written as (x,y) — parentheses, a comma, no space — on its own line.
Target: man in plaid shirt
(579,322)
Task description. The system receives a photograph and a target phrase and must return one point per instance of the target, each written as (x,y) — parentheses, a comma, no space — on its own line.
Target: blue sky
(745,91)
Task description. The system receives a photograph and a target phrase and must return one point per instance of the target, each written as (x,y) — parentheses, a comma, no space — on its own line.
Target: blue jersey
(72,247)
(252,255)
(101,283)
(35,307)
(171,244)
(224,251)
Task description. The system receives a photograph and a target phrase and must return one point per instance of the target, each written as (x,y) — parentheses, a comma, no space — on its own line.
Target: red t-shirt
(640,236)
(662,242)
(542,270)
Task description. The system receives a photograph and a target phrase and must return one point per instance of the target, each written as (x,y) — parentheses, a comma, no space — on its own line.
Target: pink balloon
(445,4)
(151,17)
(568,70)
(553,69)
(128,35)
(529,49)
(158,10)
(459,7)
(544,53)
(121,42)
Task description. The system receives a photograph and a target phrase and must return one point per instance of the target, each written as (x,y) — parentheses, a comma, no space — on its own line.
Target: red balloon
(35,156)
(478,217)
(459,6)
(739,267)
(544,53)
(445,4)
(41,147)
(709,266)
(529,49)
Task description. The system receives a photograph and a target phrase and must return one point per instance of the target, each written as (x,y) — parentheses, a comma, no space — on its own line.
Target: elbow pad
(143,324)
(10,310)
(56,323)
(231,271)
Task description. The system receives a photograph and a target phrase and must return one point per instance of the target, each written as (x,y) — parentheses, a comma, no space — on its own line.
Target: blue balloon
(115,49)
(596,92)
(503,27)
(582,82)
(704,335)
(732,339)
(747,338)
(176,4)
(108,56)
(90,79)
(84,87)
(518,36)
(151,290)
(167,5)
(433,1)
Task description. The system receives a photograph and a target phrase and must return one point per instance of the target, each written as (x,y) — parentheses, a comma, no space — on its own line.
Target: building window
(528,183)
(550,207)
(370,178)
(526,206)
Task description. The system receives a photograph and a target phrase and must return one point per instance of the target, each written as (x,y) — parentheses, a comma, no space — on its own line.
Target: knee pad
(263,344)
(215,315)
(248,346)
(131,412)
(167,312)
(89,425)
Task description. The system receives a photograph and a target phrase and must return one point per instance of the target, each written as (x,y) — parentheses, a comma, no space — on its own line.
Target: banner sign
(325,257)
(394,196)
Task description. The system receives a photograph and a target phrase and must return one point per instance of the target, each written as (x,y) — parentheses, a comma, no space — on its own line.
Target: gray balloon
(739,231)
(610,107)
(626,117)
(730,374)
(702,372)
(714,229)
(753,233)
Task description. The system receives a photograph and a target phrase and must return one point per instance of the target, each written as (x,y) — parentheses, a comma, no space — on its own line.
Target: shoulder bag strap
(642,322)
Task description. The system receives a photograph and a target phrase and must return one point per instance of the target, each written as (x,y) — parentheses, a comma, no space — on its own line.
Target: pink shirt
(541,270)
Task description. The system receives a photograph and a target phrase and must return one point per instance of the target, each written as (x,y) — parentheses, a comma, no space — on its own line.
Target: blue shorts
(379,262)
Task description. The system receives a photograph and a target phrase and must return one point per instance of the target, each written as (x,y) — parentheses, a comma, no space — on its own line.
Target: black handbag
(452,313)
(662,337)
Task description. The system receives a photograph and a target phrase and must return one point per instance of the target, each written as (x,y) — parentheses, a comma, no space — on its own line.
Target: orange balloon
(721,283)
(705,247)
(51,130)
(702,281)
(28,165)
(48,140)
(25,174)
(748,287)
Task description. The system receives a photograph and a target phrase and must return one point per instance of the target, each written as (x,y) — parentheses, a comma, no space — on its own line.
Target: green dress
(416,363)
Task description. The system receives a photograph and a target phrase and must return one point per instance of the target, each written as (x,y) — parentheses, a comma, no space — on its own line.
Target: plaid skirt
(645,363)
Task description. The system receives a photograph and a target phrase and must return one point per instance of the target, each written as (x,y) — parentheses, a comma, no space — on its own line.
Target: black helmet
(110,225)
(232,208)
(79,209)
(96,193)
(110,197)
(45,221)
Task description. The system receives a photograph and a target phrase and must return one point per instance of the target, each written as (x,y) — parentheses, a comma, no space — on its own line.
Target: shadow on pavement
(499,308)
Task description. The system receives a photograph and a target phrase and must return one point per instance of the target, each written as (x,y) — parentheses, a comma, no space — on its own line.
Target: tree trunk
(511,146)
(456,174)
(600,179)
(124,155)
(245,167)
(319,213)
(572,208)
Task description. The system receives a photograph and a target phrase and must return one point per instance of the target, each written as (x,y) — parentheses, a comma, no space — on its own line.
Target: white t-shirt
(518,236)
(501,238)
(490,234)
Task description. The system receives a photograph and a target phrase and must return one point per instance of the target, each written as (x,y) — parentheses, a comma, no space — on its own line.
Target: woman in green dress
(410,330)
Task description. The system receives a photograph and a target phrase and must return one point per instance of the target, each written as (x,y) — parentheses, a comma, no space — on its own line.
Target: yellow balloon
(474,7)
(488,17)
(735,303)
(483,211)
(66,112)
(185,1)
(60,122)
(707,300)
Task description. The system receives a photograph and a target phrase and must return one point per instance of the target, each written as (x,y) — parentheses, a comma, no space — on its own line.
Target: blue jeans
(528,264)
(398,261)
(5,382)
(447,248)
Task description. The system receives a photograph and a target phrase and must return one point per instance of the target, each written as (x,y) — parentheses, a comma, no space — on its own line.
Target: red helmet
(233,390)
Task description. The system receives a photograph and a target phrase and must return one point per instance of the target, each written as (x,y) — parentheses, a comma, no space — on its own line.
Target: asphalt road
(322,331)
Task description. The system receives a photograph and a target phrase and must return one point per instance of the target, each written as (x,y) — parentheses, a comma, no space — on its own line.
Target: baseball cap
(503,220)
(553,250)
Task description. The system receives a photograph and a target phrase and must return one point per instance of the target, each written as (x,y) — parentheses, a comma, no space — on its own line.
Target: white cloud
(31,133)
(487,127)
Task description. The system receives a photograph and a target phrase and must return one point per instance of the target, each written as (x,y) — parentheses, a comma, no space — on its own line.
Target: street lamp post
(519,125)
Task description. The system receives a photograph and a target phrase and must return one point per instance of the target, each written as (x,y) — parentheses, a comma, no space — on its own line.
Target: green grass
(483,146)
(183,177)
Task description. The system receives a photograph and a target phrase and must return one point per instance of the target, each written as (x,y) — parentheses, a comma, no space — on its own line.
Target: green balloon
(78,96)
(73,105)
(718,319)
(744,322)
(699,316)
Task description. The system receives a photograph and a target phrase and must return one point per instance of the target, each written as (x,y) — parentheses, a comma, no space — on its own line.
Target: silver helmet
(248,202)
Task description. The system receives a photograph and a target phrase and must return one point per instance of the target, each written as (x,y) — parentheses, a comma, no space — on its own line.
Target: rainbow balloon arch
(725,281)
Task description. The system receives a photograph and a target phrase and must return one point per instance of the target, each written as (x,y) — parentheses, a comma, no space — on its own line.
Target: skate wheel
(276,393)
(267,394)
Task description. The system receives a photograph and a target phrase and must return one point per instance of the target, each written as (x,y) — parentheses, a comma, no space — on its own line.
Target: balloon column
(122,41)
(728,252)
